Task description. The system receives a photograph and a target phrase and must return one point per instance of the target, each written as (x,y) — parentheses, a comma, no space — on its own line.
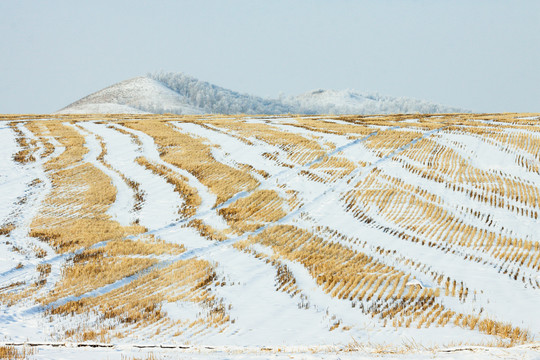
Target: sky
(481,55)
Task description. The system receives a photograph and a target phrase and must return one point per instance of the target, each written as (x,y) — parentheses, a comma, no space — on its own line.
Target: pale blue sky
(480,55)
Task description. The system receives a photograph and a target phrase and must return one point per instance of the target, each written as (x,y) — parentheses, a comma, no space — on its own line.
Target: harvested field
(270,231)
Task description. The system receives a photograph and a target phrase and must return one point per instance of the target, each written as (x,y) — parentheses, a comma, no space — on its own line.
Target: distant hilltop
(178,93)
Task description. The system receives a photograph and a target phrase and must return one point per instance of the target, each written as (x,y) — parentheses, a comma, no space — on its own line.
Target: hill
(181,94)
(249,235)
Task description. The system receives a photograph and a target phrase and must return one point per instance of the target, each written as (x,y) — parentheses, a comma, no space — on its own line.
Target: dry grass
(73,214)
(144,245)
(338,270)
(444,165)
(93,271)
(139,302)
(334,167)
(207,231)
(299,149)
(28,146)
(192,200)
(73,217)
(387,141)
(375,288)
(351,130)
(11,352)
(194,155)
(6,229)
(252,212)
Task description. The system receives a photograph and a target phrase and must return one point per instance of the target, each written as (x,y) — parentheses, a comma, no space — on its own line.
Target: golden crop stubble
(73,217)
(336,167)
(387,141)
(424,213)
(12,352)
(6,229)
(28,146)
(73,214)
(253,211)
(98,271)
(335,267)
(116,260)
(299,149)
(143,245)
(194,155)
(344,273)
(139,302)
(445,165)
(192,200)
(332,265)
(208,231)
(351,130)
(39,128)
(486,185)
(285,280)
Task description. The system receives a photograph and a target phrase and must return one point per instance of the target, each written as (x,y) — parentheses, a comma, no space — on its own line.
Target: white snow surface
(69,351)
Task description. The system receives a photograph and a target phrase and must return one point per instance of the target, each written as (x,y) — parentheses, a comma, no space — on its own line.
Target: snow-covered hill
(137,95)
(178,93)
(354,102)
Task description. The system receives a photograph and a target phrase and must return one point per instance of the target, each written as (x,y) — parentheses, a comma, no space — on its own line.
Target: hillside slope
(137,95)
(280,232)
(178,93)
(354,102)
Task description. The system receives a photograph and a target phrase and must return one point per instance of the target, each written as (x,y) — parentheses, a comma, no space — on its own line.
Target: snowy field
(306,237)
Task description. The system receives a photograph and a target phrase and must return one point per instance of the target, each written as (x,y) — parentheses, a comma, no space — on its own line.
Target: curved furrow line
(282,177)
(124,201)
(407,230)
(150,151)
(36,189)
(161,204)
(490,290)
(337,189)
